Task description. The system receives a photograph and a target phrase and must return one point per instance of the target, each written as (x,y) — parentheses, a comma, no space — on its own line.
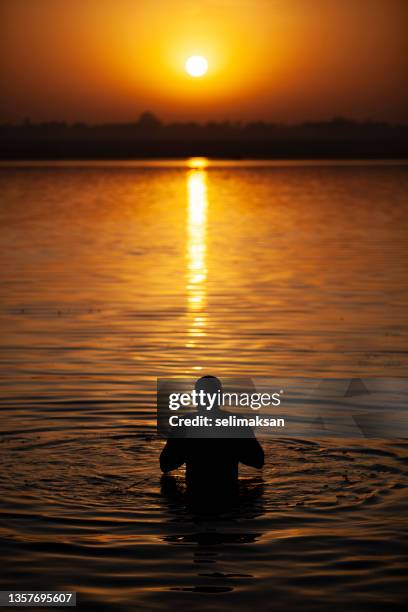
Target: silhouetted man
(212,463)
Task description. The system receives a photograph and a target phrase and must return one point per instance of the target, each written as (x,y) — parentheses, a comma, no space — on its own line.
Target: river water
(116,273)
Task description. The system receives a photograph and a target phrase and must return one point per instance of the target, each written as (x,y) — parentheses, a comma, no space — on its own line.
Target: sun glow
(196,66)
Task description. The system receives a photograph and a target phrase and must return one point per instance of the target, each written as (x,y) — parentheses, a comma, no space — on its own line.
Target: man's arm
(173,455)
(251,453)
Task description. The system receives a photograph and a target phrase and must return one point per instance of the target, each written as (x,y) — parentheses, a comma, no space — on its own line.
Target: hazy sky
(281,60)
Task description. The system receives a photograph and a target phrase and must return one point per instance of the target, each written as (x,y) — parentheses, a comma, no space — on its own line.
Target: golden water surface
(116,273)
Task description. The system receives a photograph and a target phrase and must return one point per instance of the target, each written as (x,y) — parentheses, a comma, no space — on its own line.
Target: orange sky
(280,60)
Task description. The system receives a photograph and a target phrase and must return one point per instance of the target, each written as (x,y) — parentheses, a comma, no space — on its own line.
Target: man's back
(211,464)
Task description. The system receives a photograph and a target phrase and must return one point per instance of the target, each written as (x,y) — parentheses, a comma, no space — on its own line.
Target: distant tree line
(149,137)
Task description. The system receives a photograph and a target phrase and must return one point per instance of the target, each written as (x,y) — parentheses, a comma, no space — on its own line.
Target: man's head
(211,385)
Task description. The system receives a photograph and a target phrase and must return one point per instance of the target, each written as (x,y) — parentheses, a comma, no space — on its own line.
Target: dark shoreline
(312,154)
(149,138)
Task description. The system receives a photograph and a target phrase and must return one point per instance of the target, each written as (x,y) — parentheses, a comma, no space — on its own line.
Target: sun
(196,66)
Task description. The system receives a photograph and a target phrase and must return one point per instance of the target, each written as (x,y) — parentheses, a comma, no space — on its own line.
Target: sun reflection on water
(196,249)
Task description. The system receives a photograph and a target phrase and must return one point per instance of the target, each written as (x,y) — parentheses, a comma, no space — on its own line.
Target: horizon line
(149,119)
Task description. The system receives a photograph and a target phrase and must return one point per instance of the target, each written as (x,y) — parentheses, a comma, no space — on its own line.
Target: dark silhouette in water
(208,526)
(245,501)
(212,463)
